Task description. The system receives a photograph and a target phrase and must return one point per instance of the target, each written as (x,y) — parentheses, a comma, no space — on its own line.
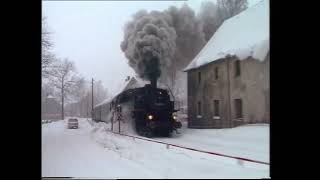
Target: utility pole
(92,98)
(87,106)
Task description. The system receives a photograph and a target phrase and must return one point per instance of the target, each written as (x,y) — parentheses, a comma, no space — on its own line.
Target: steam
(161,44)
(149,44)
(190,36)
(158,44)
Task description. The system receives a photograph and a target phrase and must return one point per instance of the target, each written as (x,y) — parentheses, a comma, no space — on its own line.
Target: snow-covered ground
(249,141)
(90,151)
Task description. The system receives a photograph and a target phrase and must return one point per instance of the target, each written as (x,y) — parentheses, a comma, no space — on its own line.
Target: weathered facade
(228,81)
(227,92)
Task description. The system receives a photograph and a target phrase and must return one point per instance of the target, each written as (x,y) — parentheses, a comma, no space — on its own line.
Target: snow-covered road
(92,152)
(72,153)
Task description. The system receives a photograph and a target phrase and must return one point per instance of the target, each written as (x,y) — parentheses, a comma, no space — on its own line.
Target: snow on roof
(131,83)
(244,35)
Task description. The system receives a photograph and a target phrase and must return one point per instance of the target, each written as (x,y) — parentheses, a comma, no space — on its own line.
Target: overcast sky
(90,33)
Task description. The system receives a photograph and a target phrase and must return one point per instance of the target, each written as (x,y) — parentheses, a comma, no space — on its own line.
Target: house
(228,81)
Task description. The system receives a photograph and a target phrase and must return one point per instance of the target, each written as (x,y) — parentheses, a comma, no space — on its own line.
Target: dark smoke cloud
(149,43)
(171,38)
(190,37)
(211,19)
(163,43)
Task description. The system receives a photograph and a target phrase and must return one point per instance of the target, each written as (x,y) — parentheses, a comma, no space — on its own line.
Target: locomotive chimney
(153,82)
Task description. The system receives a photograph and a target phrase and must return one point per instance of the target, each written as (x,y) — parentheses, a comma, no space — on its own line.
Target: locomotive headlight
(174,117)
(150,117)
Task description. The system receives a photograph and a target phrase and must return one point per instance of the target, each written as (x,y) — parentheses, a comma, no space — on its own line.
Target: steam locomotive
(150,108)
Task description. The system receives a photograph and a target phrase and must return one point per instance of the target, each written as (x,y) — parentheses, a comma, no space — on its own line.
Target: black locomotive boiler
(150,108)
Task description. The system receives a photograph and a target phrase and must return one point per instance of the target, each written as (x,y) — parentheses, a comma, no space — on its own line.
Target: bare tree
(46,89)
(229,8)
(79,89)
(212,15)
(210,18)
(63,77)
(100,93)
(81,97)
(77,93)
(47,58)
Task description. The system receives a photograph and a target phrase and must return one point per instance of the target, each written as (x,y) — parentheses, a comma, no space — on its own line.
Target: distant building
(228,81)
(50,108)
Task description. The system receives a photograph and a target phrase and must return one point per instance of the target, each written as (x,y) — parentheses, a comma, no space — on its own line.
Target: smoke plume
(149,44)
(162,43)
(190,37)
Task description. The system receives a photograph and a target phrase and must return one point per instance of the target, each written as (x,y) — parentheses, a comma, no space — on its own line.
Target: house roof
(244,35)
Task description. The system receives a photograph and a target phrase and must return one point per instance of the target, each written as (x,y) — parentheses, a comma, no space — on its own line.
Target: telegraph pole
(87,106)
(92,98)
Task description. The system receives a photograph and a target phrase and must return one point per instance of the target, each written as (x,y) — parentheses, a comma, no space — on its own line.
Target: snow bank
(244,35)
